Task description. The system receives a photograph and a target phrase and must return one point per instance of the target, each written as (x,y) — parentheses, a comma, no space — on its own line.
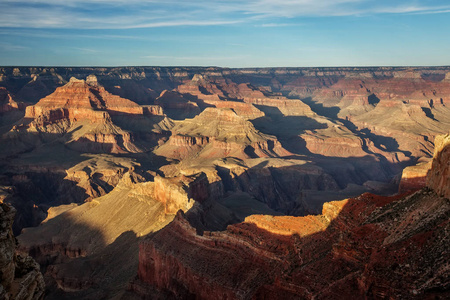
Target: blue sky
(255,33)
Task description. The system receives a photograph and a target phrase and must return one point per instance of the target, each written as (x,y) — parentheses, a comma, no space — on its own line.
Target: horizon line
(224,67)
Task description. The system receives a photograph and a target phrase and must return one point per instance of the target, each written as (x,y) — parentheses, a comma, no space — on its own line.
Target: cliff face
(270,141)
(78,97)
(89,250)
(439,176)
(347,251)
(219,132)
(369,246)
(91,115)
(178,193)
(20,277)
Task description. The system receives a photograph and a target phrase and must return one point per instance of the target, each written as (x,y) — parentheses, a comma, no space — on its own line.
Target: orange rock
(439,175)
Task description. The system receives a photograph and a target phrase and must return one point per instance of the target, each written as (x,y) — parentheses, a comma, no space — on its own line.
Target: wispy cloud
(130,14)
(85,50)
(183,23)
(278,24)
(12,47)
(194,58)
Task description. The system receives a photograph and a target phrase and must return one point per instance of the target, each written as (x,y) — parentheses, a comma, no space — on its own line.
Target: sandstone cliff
(439,176)
(364,247)
(269,141)
(89,251)
(89,119)
(219,132)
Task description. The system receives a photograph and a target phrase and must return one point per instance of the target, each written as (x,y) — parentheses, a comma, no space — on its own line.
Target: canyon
(217,183)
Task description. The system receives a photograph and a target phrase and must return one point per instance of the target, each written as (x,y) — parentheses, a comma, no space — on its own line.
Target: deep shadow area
(373,100)
(35,166)
(35,192)
(428,113)
(330,112)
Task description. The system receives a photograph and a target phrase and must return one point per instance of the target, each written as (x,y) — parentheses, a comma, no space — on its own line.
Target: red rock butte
(80,99)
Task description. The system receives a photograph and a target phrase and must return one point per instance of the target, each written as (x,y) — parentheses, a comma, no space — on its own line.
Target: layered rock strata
(369,246)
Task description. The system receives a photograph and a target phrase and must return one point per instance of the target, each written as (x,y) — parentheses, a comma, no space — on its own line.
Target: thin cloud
(194,58)
(85,50)
(277,25)
(132,14)
(183,23)
(12,47)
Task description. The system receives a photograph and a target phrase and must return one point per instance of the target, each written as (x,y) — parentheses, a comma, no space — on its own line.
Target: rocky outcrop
(287,107)
(219,132)
(201,87)
(439,176)
(414,177)
(7,102)
(180,193)
(80,99)
(20,277)
(246,110)
(340,253)
(36,186)
(365,247)
(89,250)
(97,121)
(334,145)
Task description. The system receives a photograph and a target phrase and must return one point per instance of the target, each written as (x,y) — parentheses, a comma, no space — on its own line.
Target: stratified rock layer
(365,247)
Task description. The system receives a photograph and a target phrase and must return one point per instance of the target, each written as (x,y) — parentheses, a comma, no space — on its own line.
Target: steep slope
(39,182)
(20,277)
(218,133)
(412,128)
(86,116)
(369,246)
(89,251)
(44,155)
(439,177)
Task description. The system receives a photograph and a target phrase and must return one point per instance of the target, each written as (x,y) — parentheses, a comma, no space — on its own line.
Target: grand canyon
(224,183)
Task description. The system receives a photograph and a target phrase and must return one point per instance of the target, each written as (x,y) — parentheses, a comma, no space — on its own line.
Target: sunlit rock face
(258,161)
(80,99)
(414,177)
(93,117)
(439,175)
(369,246)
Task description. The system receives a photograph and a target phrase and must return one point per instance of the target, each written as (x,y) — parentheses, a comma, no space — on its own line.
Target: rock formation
(414,177)
(179,193)
(80,99)
(439,176)
(7,103)
(369,246)
(90,250)
(20,277)
(222,145)
(90,114)
(218,132)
